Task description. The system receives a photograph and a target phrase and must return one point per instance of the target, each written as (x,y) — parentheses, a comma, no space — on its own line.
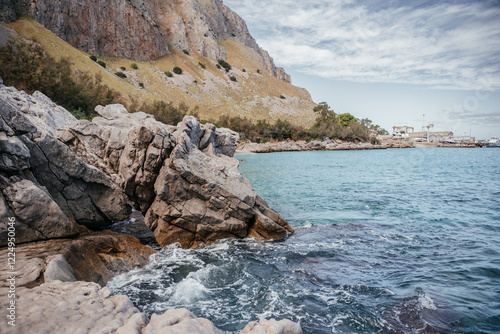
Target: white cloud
(440,45)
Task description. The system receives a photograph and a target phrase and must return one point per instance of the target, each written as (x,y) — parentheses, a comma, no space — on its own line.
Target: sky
(395,62)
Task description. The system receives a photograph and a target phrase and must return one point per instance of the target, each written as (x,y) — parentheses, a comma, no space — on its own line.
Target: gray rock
(272,326)
(14,154)
(180,321)
(38,217)
(182,178)
(74,307)
(44,184)
(58,269)
(7,12)
(44,114)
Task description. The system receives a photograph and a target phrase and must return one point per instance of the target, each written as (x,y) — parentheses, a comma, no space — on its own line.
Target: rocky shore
(293,146)
(63,181)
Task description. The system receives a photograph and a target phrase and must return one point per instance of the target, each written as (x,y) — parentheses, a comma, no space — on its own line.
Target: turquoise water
(387,241)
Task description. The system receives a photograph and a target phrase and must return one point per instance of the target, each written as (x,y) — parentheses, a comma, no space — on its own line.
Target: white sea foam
(426,302)
(189,290)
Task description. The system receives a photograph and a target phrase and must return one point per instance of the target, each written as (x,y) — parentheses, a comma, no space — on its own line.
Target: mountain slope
(193,35)
(142,29)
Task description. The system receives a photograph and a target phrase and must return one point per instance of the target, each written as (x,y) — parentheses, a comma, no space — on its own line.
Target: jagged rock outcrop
(182,178)
(84,172)
(142,29)
(44,184)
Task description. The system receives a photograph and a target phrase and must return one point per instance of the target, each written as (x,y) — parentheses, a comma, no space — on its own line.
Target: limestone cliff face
(142,29)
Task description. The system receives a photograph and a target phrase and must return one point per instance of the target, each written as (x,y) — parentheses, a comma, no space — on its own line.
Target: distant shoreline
(299,146)
(335,145)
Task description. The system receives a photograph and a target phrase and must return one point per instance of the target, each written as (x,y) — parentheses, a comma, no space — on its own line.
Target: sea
(386,241)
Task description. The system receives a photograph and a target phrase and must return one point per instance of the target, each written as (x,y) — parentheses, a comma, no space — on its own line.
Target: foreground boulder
(85,308)
(43,183)
(92,257)
(183,178)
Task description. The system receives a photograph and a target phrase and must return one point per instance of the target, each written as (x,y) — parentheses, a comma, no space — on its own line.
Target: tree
(346,118)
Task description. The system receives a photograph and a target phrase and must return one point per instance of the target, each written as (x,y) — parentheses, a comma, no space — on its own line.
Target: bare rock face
(142,29)
(101,27)
(43,184)
(182,178)
(7,11)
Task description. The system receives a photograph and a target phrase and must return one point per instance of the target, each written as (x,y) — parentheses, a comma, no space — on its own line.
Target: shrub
(258,71)
(177,70)
(232,78)
(123,68)
(169,74)
(141,84)
(27,67)
(94,58)
(218,66)
(224,64)
(186,52)
(244,70)
(121,75)
(168,113)
(282,96)
(202,65)
(134,66)
(103,64)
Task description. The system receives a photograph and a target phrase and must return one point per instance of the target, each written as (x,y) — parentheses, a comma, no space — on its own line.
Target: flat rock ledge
(85,308)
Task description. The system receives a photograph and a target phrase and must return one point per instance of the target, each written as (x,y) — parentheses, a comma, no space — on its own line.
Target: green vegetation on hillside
(28,67)
(328,125)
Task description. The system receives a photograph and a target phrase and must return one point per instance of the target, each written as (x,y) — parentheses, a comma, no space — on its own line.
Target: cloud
(473,118)
(446,45)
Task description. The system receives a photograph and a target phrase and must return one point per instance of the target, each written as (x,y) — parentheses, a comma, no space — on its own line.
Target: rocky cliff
(59,175)
(141,29)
